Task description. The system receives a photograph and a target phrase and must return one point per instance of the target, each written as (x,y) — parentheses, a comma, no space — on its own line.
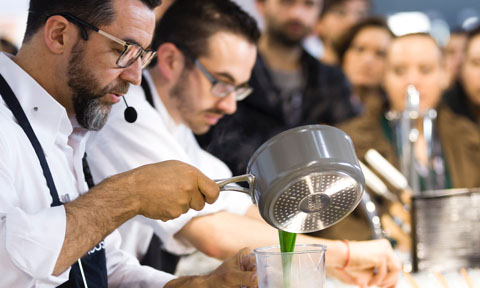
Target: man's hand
(166,190)
(161,191)
(238,271)
(371,263)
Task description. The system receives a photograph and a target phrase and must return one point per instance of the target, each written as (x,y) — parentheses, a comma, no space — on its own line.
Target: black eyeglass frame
(215,83)
(142,52)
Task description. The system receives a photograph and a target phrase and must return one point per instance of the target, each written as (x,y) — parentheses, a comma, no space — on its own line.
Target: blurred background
(409,16)
(437,17)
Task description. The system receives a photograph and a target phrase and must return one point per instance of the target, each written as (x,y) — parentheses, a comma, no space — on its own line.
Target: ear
(57,33)
(170,61)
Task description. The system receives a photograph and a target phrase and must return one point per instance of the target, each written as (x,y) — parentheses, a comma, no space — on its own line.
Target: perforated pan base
(315,202)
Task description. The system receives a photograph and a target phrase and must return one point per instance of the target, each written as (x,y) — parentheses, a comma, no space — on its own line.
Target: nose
(413,78)
(368,57)
(297,11)
(228,104)
(133,73)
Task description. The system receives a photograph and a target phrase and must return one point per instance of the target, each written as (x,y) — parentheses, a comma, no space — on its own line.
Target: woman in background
(362,52)
(464,97)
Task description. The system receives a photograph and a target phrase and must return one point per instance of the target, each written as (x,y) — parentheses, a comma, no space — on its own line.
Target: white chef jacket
(155,137)
(32,232)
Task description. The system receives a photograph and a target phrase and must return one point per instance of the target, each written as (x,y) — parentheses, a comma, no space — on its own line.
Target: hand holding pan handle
(249,178)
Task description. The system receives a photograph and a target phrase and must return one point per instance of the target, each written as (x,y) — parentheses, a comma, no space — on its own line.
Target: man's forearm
(233,232)
(90,218)
(253,213)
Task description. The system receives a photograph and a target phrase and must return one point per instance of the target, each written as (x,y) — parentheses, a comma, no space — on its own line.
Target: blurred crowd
(359,83)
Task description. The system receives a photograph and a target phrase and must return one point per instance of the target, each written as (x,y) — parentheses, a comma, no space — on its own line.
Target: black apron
(94,262)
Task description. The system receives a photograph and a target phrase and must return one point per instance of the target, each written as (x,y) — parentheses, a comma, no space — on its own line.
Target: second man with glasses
(197,78)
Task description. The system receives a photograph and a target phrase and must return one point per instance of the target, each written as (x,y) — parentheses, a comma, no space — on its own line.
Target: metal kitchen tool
(409,135)
(406,134)
(369,208)
(376,185)
(304,179)
(386,169)
(391,174)
(446,229)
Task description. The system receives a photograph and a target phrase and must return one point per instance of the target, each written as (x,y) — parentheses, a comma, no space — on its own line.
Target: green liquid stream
(287,244)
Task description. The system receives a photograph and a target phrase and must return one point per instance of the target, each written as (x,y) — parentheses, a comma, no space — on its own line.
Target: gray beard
(89,110)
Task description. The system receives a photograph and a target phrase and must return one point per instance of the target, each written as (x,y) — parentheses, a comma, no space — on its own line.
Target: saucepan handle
(223,184)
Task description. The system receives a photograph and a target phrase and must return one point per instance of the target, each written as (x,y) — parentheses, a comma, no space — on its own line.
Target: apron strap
(147,90)
(87,173)
(94,262)
(12,103)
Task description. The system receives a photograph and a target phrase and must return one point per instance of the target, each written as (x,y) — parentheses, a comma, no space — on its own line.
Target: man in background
(290,87)
(336,18)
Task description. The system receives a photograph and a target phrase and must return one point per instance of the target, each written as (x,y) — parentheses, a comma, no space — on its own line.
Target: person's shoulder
(456,99)
(453,121)
(212,166)
(312,61)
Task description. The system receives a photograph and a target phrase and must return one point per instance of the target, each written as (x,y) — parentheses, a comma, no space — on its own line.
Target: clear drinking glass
(303,268)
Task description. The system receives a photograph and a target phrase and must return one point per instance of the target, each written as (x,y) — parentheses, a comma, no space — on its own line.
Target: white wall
(249,6)
(13,19)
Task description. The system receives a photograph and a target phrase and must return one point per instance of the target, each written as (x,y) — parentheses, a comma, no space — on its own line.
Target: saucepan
(304,179)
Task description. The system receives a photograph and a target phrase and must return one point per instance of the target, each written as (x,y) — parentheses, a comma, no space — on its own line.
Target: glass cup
(303,268)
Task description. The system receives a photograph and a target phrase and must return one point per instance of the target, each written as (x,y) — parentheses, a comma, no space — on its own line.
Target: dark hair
(94,12)
(330,4)
(189,24)
(347,38)
(472,34)
(458,31)
(8,46)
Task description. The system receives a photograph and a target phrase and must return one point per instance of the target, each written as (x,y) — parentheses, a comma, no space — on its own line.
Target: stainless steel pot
(304,179)
(446,229)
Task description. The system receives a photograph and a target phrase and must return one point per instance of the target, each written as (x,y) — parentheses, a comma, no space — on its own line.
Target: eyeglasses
(222,89)
(131,51)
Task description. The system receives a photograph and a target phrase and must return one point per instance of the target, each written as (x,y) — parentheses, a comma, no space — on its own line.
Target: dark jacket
(456,98)
(459,138)
(325,99)
(460,142)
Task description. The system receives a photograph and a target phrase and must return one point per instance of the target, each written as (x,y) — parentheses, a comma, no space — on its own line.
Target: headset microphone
(130,113)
